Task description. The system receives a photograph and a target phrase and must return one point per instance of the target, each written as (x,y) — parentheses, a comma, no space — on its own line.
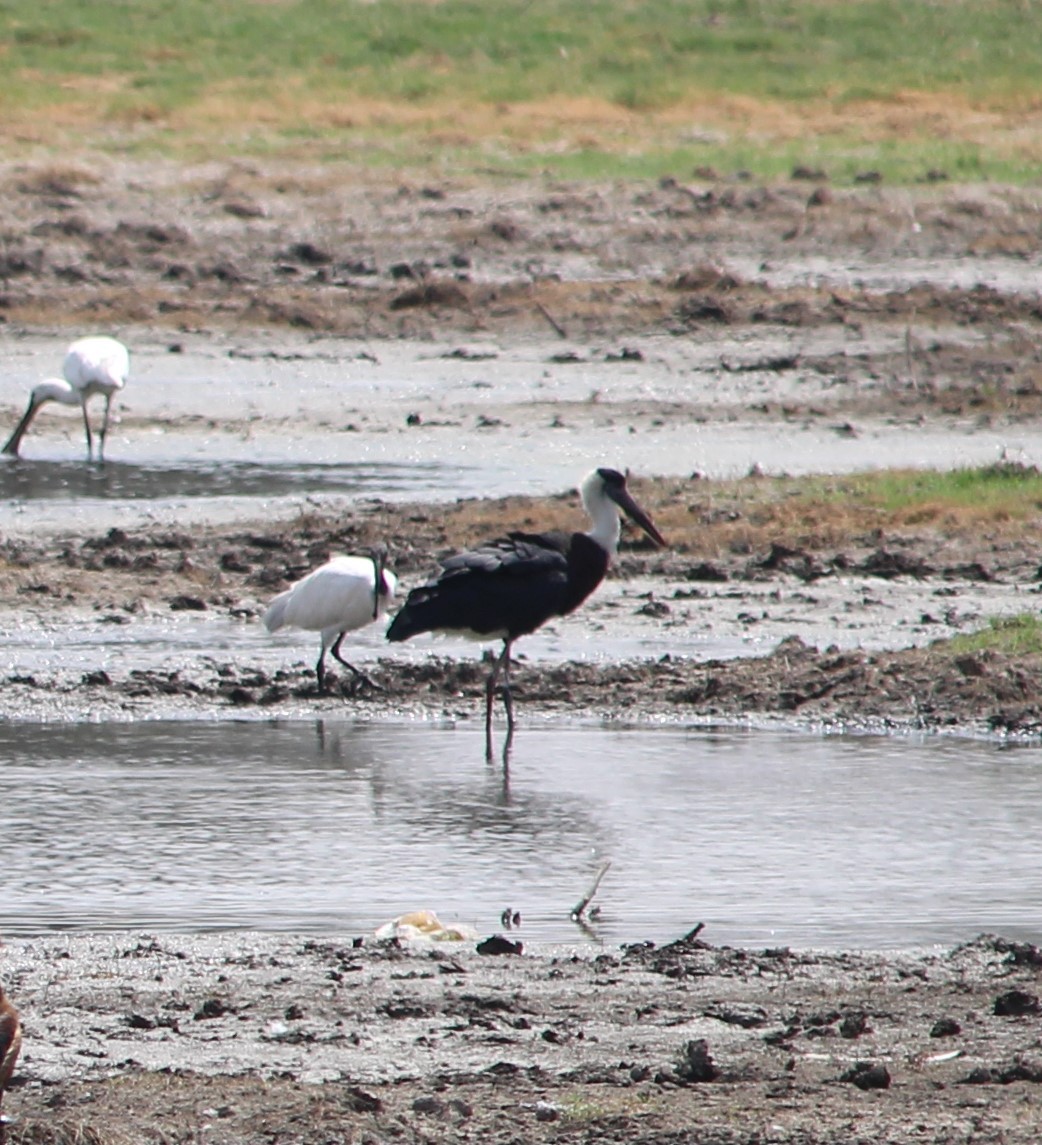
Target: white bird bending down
(343,594)
(94,365)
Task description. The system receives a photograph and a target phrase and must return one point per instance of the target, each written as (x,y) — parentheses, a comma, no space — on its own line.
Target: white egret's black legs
(103,432)
(360,677)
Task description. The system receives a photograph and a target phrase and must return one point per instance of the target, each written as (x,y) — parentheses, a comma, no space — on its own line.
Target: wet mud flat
(248,1038)
(848,635)
(789,304)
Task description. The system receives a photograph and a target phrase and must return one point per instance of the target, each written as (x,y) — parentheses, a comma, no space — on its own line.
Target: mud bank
(249,1039)
(850,635)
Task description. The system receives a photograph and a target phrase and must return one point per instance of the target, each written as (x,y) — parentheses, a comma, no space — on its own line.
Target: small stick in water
(580,907)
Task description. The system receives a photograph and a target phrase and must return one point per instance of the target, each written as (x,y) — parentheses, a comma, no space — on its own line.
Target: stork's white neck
(604,514)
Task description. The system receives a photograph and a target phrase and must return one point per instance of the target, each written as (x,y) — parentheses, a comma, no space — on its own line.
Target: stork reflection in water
(510,586)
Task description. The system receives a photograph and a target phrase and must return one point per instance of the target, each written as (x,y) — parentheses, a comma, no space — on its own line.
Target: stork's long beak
(625,501)
(14,442)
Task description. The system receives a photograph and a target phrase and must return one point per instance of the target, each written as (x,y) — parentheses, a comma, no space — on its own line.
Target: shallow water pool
(769,838)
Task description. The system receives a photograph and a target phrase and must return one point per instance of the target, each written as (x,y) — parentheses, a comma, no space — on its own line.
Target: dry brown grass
(909,115)
(60,1131)
(714,519)
(228,113)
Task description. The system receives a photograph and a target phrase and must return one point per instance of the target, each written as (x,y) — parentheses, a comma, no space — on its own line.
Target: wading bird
(508,587)
(10,1041)
(343,594)
(94,365)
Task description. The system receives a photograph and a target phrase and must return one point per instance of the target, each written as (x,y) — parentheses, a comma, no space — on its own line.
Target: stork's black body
(505,588)
(510,586)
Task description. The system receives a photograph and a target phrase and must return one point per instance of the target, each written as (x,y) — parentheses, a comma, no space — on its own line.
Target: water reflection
(332,826)
(22,480)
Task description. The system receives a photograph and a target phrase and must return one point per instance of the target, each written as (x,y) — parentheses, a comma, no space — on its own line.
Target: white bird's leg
(360,676)
(320,670)
(86,430)
(490,694)
(102,433)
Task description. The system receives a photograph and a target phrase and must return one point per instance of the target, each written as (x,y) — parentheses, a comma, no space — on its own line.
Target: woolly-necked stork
(510,586)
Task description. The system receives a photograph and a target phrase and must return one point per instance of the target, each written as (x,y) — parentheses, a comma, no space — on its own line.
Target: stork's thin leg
(320,672)
(360,676)
(508,699)
(508,743)
(490,693)
(86,430)
(508,703)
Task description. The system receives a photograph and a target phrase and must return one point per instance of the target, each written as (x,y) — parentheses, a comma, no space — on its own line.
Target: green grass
(1013,635)
(644,54)
(1004,485)
(999,503)
(140,63)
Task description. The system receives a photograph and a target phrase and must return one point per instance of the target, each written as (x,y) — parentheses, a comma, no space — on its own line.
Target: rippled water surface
(75,481)
(768,838)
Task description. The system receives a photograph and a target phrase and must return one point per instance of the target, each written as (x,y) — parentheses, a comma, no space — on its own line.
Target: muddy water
(225,427)
(334,827)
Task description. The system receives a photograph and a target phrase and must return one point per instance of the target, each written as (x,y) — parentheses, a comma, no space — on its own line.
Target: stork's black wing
(504,587)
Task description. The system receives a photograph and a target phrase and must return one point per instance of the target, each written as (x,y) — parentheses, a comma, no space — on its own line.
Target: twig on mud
(579,909)
(562,332)
(910,354)
(694,932)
